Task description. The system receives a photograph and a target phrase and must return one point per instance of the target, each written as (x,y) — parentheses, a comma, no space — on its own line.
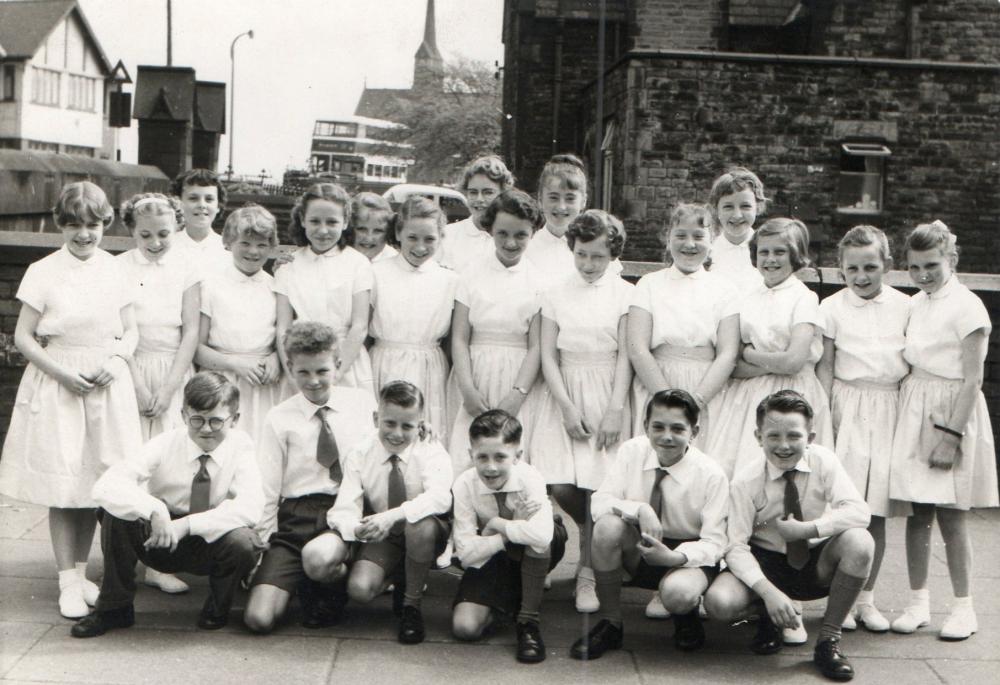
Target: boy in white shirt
(302,441)
(660,515)
(185,503)
(797,531)
(506,536)
(388,521)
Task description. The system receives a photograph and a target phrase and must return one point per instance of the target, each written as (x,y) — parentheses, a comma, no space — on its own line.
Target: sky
(308,59)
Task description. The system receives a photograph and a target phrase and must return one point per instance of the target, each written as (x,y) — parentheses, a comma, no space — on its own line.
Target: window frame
(866,150)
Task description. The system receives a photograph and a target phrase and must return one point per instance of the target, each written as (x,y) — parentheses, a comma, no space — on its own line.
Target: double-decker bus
(359,153)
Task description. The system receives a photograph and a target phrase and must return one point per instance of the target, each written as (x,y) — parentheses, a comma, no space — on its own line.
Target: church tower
(428,66)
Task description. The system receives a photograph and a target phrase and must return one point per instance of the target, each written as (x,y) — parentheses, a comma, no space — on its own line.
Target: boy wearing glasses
(186,502)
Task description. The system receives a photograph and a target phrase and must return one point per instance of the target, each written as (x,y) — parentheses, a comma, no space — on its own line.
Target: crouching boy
(388,522)
(186,502)
(797,531)
(661,515)
(506,536)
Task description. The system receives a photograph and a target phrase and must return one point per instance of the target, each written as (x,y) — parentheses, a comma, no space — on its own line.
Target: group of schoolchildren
(716,433)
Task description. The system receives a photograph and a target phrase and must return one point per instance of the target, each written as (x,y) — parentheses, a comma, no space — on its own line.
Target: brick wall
(677,24)
(679,129)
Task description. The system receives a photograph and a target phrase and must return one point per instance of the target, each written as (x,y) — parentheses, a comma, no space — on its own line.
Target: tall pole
(232,97)
(170,33)
(599,114)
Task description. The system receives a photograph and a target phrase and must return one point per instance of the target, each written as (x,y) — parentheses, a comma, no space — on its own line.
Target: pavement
(166,647)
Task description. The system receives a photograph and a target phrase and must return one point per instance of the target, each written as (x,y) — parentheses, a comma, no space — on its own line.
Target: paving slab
(16,639)
(472,665)
(18,519)
(965,672)
(140,655)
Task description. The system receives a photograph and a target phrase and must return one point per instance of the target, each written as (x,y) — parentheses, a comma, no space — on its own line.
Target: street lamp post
(232,97)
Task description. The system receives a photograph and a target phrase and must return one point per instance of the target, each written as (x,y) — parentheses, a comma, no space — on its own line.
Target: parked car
(448,199)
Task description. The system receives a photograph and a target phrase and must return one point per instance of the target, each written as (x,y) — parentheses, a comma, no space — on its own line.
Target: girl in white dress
(585,414)
(368,231)
(862,365)
(75,411)
(167,310)
(684,331)
(328,281)
(239,314)
(495,327)
(943,456)
(412,304)
(468,241)
(736,200)
(562,195)
(781,329)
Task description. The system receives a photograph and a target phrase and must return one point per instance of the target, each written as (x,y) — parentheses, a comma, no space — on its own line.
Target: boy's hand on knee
(655,553)
(649,522)
(781,609)
(162,534)
(376,528)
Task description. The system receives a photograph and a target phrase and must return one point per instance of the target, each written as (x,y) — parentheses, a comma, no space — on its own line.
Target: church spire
(428,48)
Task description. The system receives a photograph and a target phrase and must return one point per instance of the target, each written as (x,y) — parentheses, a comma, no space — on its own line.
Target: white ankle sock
(962,602)
(67,578)
(921,597)
(81,568)
(866,597)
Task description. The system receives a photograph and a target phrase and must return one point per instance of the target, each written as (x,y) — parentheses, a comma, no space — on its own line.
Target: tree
(447,128)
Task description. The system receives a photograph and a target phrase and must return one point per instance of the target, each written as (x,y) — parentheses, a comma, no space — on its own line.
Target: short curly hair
(200,177)
(151,204)
(591,224)
(331,192)
(308,337)
(490,166)
(796,235)
(253,219)
(864,235)
(734,180)
(517,203)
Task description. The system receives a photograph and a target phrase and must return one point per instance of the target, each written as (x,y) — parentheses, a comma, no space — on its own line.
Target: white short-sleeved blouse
(938,324)
(501,300)
(588,313)
(321,287)
(160,288)
(868,335)
(243,310)
(686,308)
(767,316)
(412,305)
(463,245)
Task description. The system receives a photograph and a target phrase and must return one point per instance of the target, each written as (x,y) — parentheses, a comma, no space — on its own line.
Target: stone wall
(679,129)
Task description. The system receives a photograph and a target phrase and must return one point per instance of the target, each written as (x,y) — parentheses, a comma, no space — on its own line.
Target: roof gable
(24,26)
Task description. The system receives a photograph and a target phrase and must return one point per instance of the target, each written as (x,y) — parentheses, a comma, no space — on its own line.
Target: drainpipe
(557,77)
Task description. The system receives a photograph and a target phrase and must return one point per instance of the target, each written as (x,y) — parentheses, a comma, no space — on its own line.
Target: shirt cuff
(824,527)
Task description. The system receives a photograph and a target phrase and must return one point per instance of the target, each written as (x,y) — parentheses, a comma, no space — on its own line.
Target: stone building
(852,111)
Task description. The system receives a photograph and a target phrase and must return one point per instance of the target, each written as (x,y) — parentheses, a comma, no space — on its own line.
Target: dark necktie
(396,491)
(201,487)
(797,551)
(656,494)
(514,551)
(327,452)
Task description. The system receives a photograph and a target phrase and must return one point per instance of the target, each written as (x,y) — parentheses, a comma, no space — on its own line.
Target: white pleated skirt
(972,481)
(424,365)
(153,368)
(589,380)
(59,443)
(255,400)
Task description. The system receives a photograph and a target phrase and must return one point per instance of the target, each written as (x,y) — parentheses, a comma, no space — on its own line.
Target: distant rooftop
(25,24)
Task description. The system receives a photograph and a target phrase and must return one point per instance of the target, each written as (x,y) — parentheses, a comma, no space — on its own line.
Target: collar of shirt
(774,473)
(235,274)
(73,263)
(791,282)
(430,264)
(950,286)
(496,265)
(309,254)
(139,258)
(683,471)
(675,274)
(606,279)
(722,243)
(192,451)
(514,484)
(547,238)
(857,301)
(468,228)
(383,455)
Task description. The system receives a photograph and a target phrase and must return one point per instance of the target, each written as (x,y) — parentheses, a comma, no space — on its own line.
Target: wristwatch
(521,390)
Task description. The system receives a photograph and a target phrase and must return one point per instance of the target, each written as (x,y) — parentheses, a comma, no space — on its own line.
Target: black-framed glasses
(214,423)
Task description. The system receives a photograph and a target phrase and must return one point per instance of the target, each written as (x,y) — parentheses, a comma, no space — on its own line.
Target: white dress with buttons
(160,288)
(587,315)
(411,314)
(868,337)
(58,442)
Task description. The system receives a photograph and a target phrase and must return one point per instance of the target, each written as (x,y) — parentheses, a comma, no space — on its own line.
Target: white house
(53,88)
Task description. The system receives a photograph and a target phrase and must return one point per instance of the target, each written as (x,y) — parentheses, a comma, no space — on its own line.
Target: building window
(321,163)
(862,178)
(332,128)
(82,90)
(45,86)
(42,146)
(81,150)
(8,82)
